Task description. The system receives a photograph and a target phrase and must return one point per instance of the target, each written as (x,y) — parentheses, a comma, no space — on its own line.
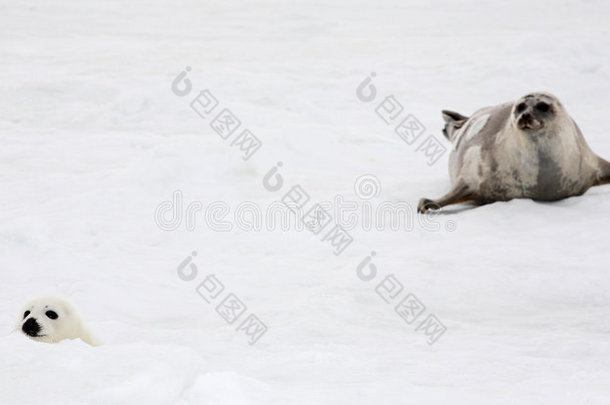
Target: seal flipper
(453,121)
(458,194)
(604,172)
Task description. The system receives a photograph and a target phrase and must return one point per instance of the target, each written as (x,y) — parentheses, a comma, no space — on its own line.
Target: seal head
(532,112)
(52,319)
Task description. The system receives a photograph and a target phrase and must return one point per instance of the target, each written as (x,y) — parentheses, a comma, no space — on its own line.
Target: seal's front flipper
(459,194)
(453,121)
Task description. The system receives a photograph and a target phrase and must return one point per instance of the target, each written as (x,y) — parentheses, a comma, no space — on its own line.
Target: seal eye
(521,107)
(25,314)
(542,107)
(51,314)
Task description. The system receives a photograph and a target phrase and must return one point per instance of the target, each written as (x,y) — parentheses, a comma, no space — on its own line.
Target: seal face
(533,111)
(52,319)
(530,148)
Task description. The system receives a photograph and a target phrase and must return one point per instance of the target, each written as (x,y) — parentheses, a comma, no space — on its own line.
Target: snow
(94,141)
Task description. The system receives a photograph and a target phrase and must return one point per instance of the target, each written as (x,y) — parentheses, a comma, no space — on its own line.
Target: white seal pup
(52,319)
(530,148)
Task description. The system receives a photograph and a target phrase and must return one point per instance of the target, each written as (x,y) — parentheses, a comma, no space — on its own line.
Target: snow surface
(93,140)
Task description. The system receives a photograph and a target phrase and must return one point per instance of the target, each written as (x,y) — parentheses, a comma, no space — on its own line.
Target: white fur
(472,128)
(68,325)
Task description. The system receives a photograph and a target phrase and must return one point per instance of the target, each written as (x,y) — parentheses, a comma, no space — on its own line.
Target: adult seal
(530,148)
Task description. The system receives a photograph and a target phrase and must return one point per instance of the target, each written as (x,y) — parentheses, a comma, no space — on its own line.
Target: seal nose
(526,121)
(31,327)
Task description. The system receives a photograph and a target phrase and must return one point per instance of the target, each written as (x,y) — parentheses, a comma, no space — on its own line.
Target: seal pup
(52,319)
(530,148)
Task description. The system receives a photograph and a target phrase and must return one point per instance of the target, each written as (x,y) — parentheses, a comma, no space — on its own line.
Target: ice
(94,140)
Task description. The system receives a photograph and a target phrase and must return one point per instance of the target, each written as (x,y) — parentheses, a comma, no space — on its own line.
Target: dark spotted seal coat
(527,149)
